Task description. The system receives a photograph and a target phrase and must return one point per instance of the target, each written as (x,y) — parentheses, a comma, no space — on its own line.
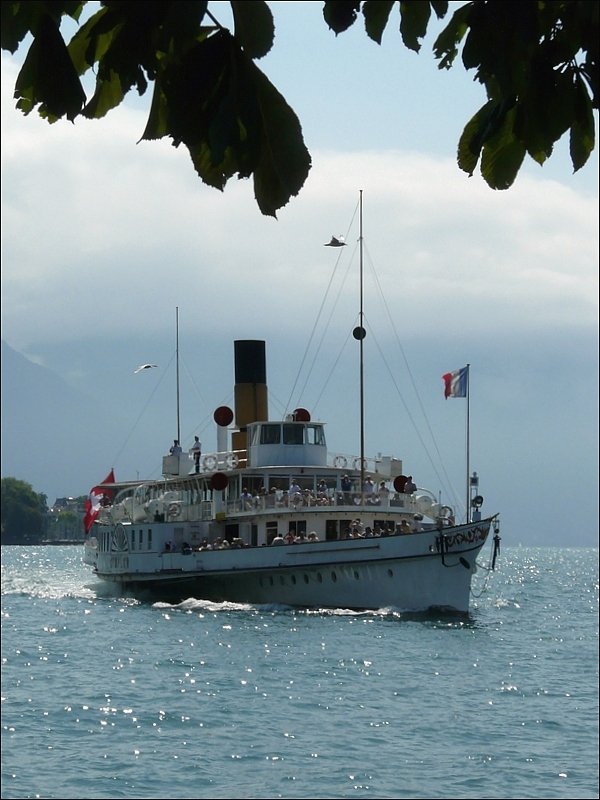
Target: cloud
(102,232)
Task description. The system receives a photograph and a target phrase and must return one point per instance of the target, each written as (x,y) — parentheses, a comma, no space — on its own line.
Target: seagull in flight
(144,366)
(336,241)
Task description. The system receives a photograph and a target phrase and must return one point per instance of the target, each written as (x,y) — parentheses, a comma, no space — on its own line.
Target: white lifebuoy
(232,460)
(358,464)
(174,510)
(340,462)
(209,462)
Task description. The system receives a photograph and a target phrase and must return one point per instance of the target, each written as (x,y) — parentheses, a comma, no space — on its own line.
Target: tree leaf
(17,19)
(376,14)
(253,26)
(414,18)
(445,47)
(502,155)
(340,14)
(48,78)
(284,162)
(582,136)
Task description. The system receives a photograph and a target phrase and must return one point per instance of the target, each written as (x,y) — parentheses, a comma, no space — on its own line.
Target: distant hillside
(53,437)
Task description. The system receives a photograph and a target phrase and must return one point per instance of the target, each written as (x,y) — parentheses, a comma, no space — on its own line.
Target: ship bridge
(288,442)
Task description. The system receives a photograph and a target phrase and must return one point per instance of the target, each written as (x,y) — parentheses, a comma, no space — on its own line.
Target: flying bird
(336,241)
(144,366)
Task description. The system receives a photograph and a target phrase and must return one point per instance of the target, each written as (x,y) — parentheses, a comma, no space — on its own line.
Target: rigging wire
(320,311)
(446,480)
(142,412)
(443,479)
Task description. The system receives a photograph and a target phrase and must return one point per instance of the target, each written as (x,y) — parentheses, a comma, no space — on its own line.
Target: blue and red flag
(455,383)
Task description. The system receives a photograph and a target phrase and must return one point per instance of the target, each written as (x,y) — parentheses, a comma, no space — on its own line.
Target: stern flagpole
(177,360)
(468,506)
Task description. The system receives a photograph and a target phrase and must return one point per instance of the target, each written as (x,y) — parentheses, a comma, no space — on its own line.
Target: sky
(106,241)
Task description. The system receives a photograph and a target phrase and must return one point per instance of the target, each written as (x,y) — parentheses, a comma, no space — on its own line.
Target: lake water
(105,697)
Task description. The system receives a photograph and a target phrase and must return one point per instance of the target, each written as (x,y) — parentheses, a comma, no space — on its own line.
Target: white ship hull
(417,572)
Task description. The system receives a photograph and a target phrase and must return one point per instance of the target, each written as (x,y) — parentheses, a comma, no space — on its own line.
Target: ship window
(141,538)
(319,577)
(315,434)
(282,580)
(356,575)
(270,434)
(149,538)
(333,577)
(306,579)
(390,573)
(294,579)
(293,434)
(133,540)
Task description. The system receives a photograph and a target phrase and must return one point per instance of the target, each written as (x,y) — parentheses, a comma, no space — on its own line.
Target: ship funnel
(250,391)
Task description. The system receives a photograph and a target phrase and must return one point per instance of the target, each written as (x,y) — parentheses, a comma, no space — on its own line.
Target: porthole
(294,579)
(356,575)
(306,579)
(390,573)
(333,577)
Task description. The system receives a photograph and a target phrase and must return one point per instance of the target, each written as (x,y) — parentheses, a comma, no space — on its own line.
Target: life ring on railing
(340,462)
(173,510)
(232,460)
(209,462)
(359,463)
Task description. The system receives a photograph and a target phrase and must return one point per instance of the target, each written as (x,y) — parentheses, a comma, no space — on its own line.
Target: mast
(177,362)
(468,508)
(361,339)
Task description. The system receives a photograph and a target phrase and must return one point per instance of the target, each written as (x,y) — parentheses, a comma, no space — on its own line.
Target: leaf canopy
(537,60)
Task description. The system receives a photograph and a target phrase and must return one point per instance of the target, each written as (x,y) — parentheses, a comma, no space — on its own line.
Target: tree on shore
(537,59)
(23,513)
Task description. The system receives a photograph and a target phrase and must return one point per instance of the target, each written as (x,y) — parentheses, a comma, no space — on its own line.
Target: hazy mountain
(53,436)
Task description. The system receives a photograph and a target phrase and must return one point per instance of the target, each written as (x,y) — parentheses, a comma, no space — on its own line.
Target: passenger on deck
(196,451)
(300,538)
(383,492)
(346,485)
(175,448)
(405,527)
(289,537)
(416,524)
(410,486)
(312,537)
(278,539)
(246,499)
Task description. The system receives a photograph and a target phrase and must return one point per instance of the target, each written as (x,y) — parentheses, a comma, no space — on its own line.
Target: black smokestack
(250,391)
